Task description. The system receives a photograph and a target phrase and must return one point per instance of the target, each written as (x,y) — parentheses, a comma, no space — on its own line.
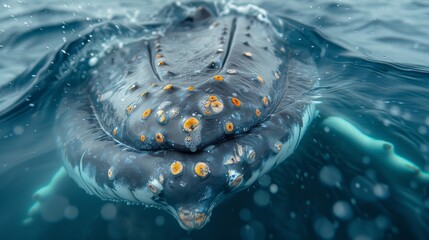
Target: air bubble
(342,210)
(245,214)
(381,191)
(330,175)
(265,181)
(71,212)
(324,228)
(395,111)
(274,188)
(108,211)
(261,198)
(18,130)
(160,220)
(53,208)
(422,130)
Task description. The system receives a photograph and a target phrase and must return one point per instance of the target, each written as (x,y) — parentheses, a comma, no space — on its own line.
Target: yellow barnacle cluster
(176,168)
(265,101)
(191,124)
(144,93)
(217,106)
(142,138)
(236,102)
(202,169)
(212,104)
(146,113)
(168,87)
(218,78)
(229,127)
(212,98)
(258,113)
(130,109)
(159,138)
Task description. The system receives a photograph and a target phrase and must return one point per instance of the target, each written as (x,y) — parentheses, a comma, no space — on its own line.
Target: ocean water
(373,61)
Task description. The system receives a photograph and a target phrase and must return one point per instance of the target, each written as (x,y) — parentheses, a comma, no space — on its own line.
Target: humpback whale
(184,118)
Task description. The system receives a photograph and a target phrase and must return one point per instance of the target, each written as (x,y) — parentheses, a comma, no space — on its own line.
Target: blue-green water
(373,59)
